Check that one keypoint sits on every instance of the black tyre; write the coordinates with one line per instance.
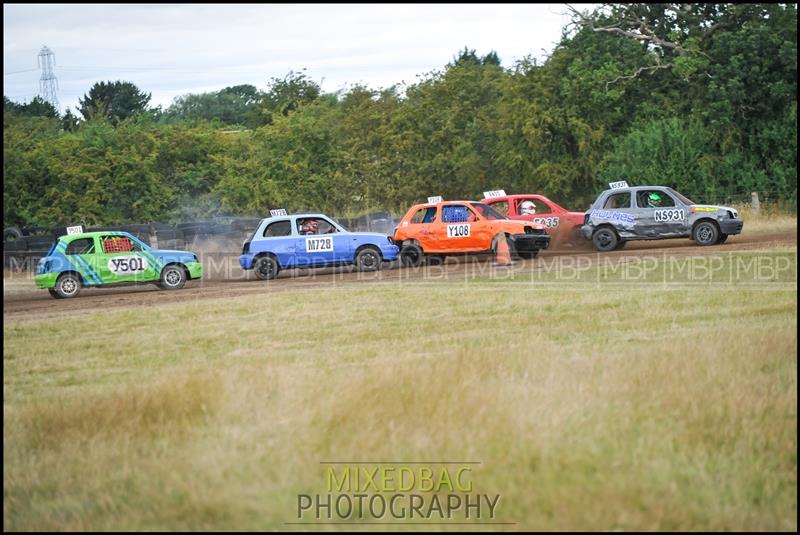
(411, 255)
(53, 293)
(605, 239)
(705, 233)
(12, 233)
(68, 285)
(173, 277)
(368, 259)
(722, 238)
(266, 268)
(620, 245)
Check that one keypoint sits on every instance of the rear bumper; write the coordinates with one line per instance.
(731, 226)
(531, 242)
(246, 261)
(46, 280)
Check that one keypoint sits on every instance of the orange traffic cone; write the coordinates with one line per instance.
(503, 255)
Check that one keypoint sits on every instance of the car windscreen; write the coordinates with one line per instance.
(487, 211)
(683, 198)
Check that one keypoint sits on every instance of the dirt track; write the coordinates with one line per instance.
(227, 279)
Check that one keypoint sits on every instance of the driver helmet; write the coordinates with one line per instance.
(310, 226)
(654, 200)
(527, 208)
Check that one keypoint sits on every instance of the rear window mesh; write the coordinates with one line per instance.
(117, 245)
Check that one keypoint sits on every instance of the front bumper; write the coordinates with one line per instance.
(731, 226)
(531, 242)
(195, 270)
(389, 252)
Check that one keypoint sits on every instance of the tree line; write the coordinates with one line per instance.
(701, 97)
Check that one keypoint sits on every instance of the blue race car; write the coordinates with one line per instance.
(312, 240)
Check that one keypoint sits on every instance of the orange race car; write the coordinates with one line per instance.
(440, 228)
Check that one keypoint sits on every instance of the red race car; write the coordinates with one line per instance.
(560, 224)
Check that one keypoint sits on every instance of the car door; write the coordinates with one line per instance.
(659, 214)
(462, 229)
(422, 227)
(121, 259)
(80, 253)
(320, 242)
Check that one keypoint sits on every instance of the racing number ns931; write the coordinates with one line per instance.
(317, 245)
(664, 216)
(457, 231)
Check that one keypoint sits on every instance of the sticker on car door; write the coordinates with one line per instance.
(458, 231)
(127, 265)
(668, 216)
(319, 245)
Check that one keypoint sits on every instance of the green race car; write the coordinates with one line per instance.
(106, 258)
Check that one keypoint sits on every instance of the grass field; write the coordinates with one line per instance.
(599, 405)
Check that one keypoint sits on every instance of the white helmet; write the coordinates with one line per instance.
(527, 208)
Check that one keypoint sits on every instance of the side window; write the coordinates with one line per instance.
(456, 213)
(618, 200)
(116, 244)
(424, 215)
(277, 229)
(314, 225)
(81, 246)
(654, 199)
(531, 207)
(500, 206)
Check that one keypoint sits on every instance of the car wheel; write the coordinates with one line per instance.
(722, 238)
(68, 285)
(266, 268)
(605, 239)
(368, 259)
(172, 277)
(53, 293)
(620, 245)
(411, 255)
(706, 233)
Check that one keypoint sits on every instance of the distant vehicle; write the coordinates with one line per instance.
(624, 213)
(312, 240)
(111, 258)
(558, 222)
(441, 228)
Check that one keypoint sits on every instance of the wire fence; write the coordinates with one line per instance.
(224, 236)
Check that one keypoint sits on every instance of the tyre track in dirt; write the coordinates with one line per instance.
(235, 282)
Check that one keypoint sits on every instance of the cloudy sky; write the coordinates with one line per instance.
(170, 50)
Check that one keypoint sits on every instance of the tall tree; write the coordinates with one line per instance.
(286, 94)
(115, 101)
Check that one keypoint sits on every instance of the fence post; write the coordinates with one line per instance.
(754, 202)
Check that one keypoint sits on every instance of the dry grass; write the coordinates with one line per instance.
(588, 407)
(770, 218)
